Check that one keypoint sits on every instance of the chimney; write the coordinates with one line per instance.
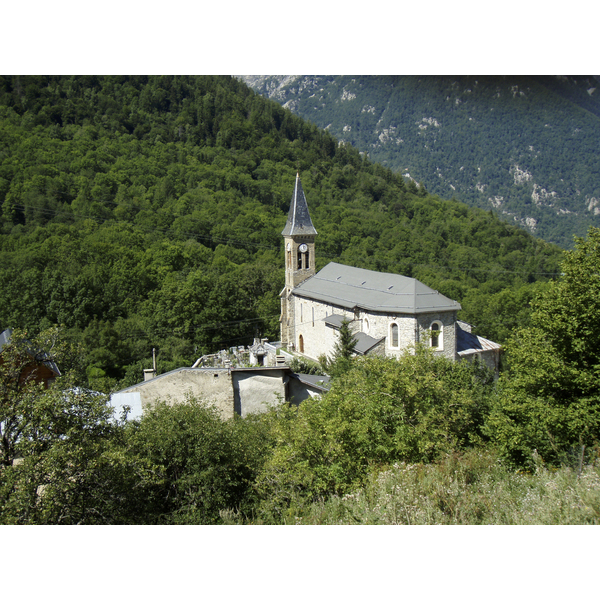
(151, 373)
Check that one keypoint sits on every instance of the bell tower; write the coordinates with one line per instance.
(299, 246)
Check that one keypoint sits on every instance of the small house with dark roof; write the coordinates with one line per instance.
(387, 312)
(38, 367)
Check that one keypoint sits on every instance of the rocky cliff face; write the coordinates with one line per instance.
(524, 147)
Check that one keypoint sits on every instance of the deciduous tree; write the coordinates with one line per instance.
(550, 398)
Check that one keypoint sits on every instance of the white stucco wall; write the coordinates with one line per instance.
(132, 400)
(257, 392)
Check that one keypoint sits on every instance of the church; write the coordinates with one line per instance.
(388, 313)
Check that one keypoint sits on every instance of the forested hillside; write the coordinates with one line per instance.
(525, 147)
(142, 212)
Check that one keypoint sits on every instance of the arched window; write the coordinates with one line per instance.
(306, 260)
(299, 260)
(394, 335)
(366, 325)
(437, 336)
(301, 344)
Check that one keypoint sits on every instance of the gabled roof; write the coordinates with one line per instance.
(298, 221)
(351, 287)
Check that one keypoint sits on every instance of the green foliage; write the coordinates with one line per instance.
(341, 360)
(303, 365)
(500, 313)
(467, 137)
(66, 460)
(382, 410)
(470, 488)
(33, 416)
(550, 399)
(207, 464)
(89, 481)
(59, 463)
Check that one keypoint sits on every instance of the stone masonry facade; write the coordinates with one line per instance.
(313, 337)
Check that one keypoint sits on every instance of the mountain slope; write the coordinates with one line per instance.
(525, 147)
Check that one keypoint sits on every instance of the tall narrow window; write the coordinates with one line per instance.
(306, 261)
(394, 335)
(301, 344)
(437, 335)
(299, 260)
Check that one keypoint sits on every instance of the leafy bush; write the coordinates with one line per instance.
(208, 464)
(303, 365)
(381, 411)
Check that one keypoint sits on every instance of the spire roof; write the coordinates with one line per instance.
(298, 221)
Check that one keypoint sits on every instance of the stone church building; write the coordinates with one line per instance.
(387, 313)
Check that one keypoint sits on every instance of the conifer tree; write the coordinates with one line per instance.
(342, 353)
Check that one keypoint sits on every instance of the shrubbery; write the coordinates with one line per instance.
(381, 411)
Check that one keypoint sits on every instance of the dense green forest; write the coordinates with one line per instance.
(523, 146)
(142, 212)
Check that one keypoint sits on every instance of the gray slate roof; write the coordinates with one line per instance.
(365, 342)
(298, 221)
(469, 343)
(351, 287)
(334, 320)
(318, 381)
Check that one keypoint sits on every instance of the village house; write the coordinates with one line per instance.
(230, 390)
(37, 367)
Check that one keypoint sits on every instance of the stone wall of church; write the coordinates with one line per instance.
(490, 358)
(447, 340)
(378, 325)
(313, 338)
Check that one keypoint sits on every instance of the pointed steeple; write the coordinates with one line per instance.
(298, 221)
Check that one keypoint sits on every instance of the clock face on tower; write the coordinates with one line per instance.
(303, 248)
